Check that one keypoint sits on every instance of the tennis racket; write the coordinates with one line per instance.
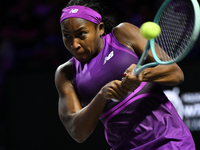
(180, 24)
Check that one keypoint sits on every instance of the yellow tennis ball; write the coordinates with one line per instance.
(150, 30)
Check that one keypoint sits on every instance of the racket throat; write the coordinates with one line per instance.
(138, 69)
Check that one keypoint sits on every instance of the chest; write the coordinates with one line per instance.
(107, 66)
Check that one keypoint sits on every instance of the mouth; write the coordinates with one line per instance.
(82, 56)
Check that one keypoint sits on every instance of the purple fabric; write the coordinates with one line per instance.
(83, 12)
(124, 101)
(146, 119)
(97, 70)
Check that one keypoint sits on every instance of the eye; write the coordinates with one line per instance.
(82, 35)
(67, 36)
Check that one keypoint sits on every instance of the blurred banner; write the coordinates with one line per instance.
(187, 105)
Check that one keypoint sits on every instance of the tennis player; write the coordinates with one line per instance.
(102, 54)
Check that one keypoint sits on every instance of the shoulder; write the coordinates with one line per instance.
(126, 30)
(125, 26)
(126, 33)
(64, 72)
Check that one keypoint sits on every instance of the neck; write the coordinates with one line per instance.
(99, 48)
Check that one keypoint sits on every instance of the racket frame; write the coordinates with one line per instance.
(151, 43)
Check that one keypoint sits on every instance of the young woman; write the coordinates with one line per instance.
(145, 120)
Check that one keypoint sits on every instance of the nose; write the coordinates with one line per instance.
(75, 44)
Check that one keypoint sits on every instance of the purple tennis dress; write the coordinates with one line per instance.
(146, 119)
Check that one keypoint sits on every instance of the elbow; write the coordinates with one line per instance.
(73, 130)
(177, 75)
(78, 139)
(78, 136)
(180, 77)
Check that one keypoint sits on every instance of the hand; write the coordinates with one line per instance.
(130, 81)
(114, 90)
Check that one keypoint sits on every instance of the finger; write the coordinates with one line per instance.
(119, 91)
(113, 94)
(131, 82)
(145, 74)
(113, 90)
(129, 69)
(122, 91)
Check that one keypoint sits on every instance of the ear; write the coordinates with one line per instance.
(101, 28)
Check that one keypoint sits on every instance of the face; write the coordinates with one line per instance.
(81, 38)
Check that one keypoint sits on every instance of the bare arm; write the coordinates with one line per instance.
(130, 36)
(81, 122)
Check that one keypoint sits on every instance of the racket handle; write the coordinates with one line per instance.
(134, 72)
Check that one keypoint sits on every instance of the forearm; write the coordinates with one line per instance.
(82, 123)
(163, 74)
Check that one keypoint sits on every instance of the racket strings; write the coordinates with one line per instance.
(176, 22)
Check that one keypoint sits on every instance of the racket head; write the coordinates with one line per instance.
(180, 25)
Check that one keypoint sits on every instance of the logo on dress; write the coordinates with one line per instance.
(108, 57)
(73, 11)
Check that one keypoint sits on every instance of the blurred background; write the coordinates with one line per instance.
(31, 48)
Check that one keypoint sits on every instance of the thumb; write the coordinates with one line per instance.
(129, 70)
(140, 77)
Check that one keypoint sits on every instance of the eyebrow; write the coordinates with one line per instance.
(78, 30)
